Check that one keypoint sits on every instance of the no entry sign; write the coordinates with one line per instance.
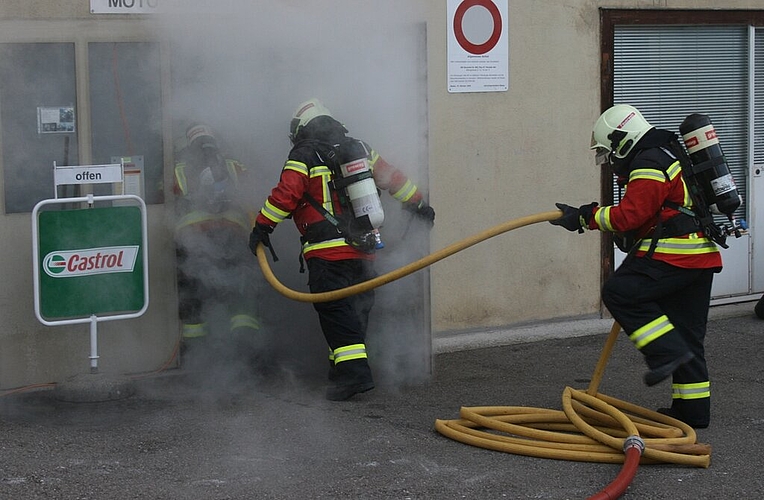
(478, 46)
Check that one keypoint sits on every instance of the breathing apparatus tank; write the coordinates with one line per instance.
(360, 188)
(710, 168)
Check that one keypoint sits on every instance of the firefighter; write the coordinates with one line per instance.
(660, 294)
(338, 251)
(214, 275)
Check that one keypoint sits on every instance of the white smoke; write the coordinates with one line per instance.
(243, 67)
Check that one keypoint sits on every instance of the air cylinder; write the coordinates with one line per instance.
(710, 169)
(363, 194)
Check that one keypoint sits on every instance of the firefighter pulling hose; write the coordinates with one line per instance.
(666, 226)
(667, 439)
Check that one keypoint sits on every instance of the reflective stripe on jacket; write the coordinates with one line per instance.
(305, 172)
(646, 192)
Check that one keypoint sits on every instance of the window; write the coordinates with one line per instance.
(125, 103)
(35, 78)
(670, 63)
(38, 94)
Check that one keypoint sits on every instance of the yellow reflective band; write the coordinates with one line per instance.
(651, 331)
(349, 352)
(194, 330)
(180, 177)
(233, 167)
(673, 170)
(647, 173)
(602, 218)
(687, 199)
(373, 157)
(320, 170)
(337, 242)
(697, 390)
(405, 193)
(297, 166)
(244, 321)
(273, 213)
(694, 245)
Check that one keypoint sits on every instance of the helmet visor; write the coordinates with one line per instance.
(601, 156)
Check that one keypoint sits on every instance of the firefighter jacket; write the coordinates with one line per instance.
(197, 208)
(655, 179)
(307, 172)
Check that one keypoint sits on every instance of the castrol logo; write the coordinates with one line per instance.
(90, 261)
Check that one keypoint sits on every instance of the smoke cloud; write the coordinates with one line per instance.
(243, 68)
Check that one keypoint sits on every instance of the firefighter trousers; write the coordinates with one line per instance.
(664, 311)
(344, 322)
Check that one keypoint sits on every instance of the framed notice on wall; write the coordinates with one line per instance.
(55, 119)
(478, 45)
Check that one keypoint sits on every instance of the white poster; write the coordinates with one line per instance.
(55, 119)
(478, 45)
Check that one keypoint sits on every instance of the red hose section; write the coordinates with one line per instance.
(618, 486)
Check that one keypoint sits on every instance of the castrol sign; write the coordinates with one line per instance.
(90, 262)
(87, 262)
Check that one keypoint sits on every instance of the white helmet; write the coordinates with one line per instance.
(305, 112)
(618, 129)
(201, 134)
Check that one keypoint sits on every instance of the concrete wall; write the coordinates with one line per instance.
(493, 157)
(498, 156)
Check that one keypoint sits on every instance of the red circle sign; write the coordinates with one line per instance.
(459, 32)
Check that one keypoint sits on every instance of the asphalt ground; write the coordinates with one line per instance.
(274, 436)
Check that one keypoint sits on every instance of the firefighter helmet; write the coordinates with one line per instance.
(305, 112)
(618, 129)
(202, 135)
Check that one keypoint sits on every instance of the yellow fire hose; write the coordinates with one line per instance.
(592, 427)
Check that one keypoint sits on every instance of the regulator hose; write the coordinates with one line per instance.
(402, 271)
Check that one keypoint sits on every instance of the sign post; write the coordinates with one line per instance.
(89, 264)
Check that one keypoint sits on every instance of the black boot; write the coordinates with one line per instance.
(348, 379)
(677, 414)
(344, 392)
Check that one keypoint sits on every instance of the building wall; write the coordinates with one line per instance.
(499, 156)
(493, 157)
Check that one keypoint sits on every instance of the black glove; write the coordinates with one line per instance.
(260, 233)
(422, 211)
(574, 219)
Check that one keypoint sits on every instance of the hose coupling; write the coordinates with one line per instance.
(634, 442)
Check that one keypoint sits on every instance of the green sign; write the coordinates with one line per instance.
(91, 262)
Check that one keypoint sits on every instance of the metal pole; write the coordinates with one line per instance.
(93, 344)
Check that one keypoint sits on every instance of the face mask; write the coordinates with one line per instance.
(601, 156)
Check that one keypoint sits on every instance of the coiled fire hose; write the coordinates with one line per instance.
(592, 427)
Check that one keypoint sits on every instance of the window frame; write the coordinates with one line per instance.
(609, 18)
(82, 34)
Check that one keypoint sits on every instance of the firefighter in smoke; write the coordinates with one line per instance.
(216, 293)
(660, 294)
(328, 189)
